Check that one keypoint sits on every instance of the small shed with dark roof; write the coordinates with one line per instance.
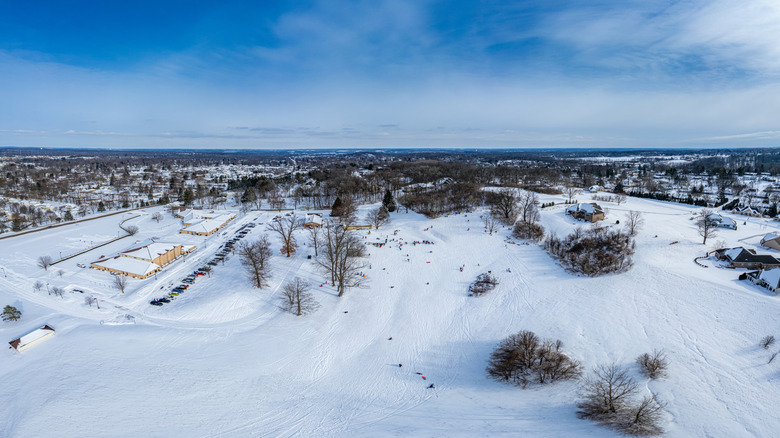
(32, 338)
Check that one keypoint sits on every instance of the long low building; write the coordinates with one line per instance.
(143, 261)
(207, 227)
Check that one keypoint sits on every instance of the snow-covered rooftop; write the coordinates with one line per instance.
(127, 264)
(31, 337)
(733, 253)
(589, 208)
(771, 276)
(313, 219)
(207, 225)
(151, 251)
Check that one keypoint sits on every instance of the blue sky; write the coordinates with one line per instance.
(234, 74)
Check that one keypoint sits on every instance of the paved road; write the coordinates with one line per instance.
(69, 223)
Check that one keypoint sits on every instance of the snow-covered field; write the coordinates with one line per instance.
(223, 360)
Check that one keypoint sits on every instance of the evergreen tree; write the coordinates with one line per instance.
(187, 197)
(389, 201)
(17, 223)
(101, 206)
(68, 215)
(772, 211)
(164, 199)
(11, 313)
(619, 187)
(337, 208)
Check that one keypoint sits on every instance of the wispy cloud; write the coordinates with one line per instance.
(418, 73)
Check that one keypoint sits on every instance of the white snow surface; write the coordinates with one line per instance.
(222, 360)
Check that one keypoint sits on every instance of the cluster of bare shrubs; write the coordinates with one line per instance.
(594, 251)
(524, 358)
(528, 231)
(609, 396)
(484, 283)
(766, 342)
(617, 198)
(653, 365)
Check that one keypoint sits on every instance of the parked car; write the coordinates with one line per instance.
(177, 290)
(81, 265)
(188, 280)
(183, 286)
(163, 300)
(156, 303)
(212, 263)
(200, 273)
(173, 294)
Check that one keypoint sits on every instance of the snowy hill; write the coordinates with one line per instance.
(223, 360)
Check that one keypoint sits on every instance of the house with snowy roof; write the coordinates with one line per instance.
(32, 338)
(747, 211)
(313, 220)
(740, 257)
(722, 222)
(589, 212)
(771, 240)
(767, 278)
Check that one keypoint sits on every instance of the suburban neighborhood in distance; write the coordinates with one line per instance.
(412, 275)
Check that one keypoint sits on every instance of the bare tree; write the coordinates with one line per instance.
(643, 419)
(120, 282)
(341, 258)
(314, 238)
(173, 209)
(131, 229)
(491, 222)
(38, 285)
(503, 204)
(60, 273)
(157, 216)
(378, 217)
(89, 300)
(254, 256)
(634, 222)
(707, 225)
(528, 207)
(570, 191)
(276, 200)
(606, 393)
(619, 198)
(285, 226)
(58, 291)
(767, 341)
(653, 365)
(296, 297)
(44, 262)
